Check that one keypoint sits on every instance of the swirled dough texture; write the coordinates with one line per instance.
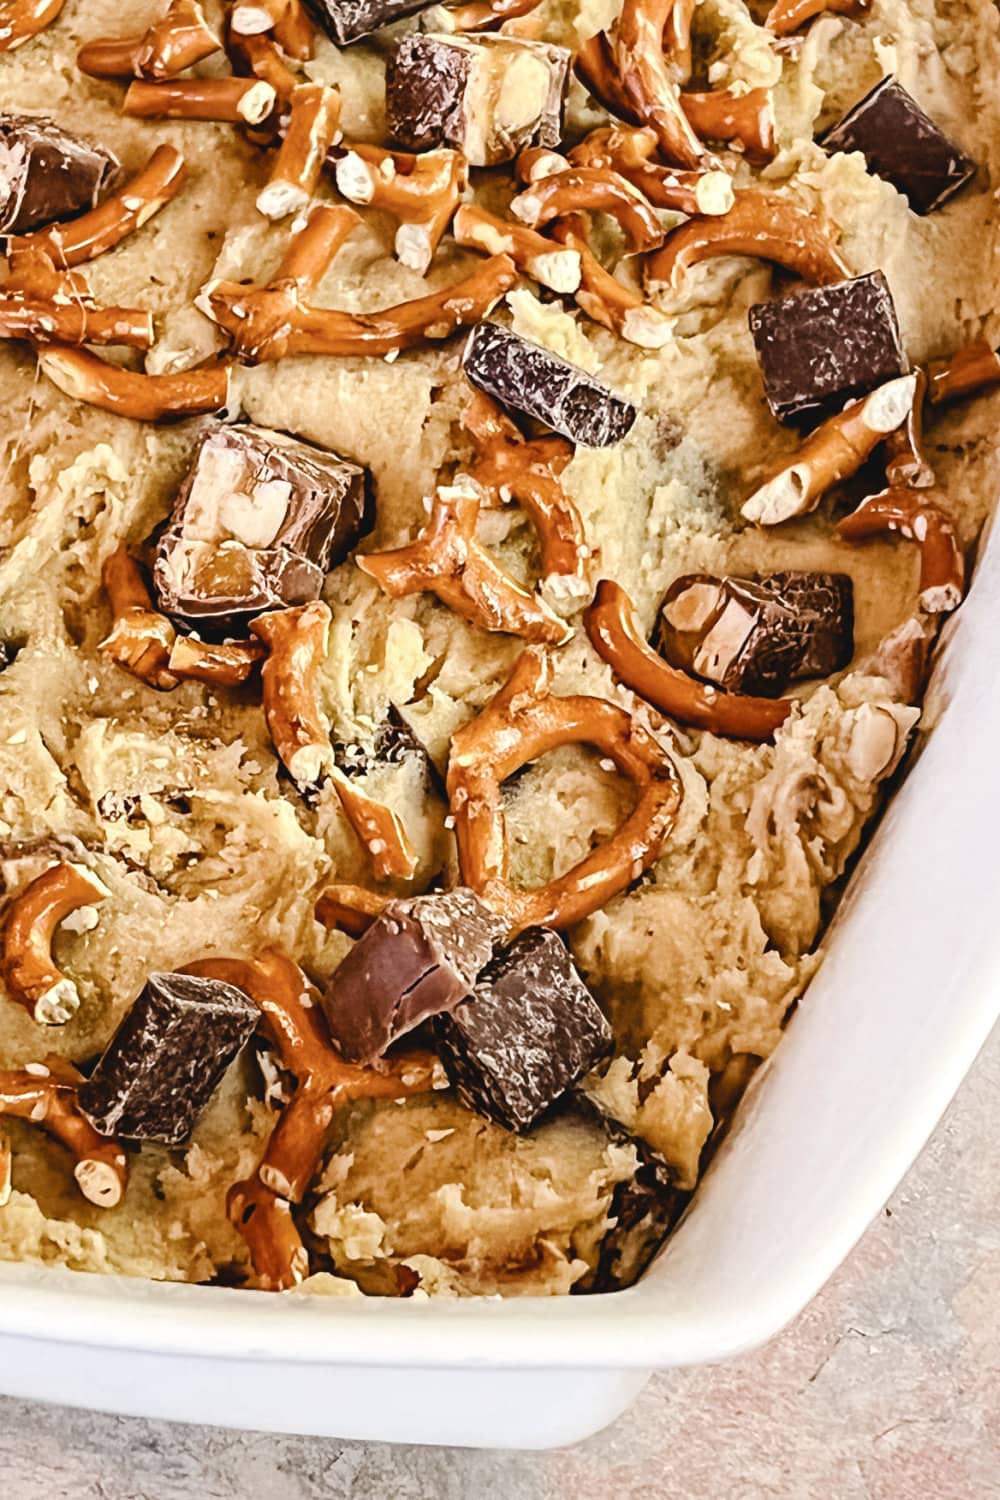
(177, 797)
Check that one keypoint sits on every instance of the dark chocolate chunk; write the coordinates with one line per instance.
(422, 956)
(528, 380)
(819, 347)
(346, 20)
(490, 96)
(902, 144)
(46, 174)
(757, 636)
(528, 1032)
(167, 1058)
(394, 745)
(644, 1209)
(259, 521)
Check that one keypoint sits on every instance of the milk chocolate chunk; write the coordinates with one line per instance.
(490, 96)
(422, 956)
(258, 523)
(819, 347)
(46, 174)
(529, 1030)
(531, 382)
(167, 1058)
(346, 20)
(903, 145)
(757, 636)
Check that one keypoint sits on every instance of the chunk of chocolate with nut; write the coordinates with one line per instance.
(531, 382)
(422, 956)
(490, 96)
(346, 20)
(46, 174)
(903, 145)
(757, 636)
(258, 523)
(167, 1058)
(818, 348)
(528, 1032)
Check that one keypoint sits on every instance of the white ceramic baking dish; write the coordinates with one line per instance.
(906, 997)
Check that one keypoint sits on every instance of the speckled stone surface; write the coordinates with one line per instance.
(886, 1388)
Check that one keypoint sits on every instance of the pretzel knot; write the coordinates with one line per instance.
(520, 724)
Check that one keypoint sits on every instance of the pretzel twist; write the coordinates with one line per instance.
(914, 516)
(532, 253)
(312, 129)
(177, 41)
(145, 398)
(233, 101)
(20, 20)
(421, 191)
(260, 1208)
(521, 723)
(615, 636)
(591, 190)
(628, 151)
(789, 15)
(45, 1094)
(285, 20)
(141, 639)
(445, 559)
(970, 369)
(45, 306)
(758, 224)
(30, 973)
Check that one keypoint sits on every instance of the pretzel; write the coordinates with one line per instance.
(29, 970)
(45, 1094)
(759, 224)
(628, 151)
(421, 191)
(260, 1208)
(509, 467)
(968, 370)
(379, 829)
(738, 120)
(522, 722)
(20, 20)
(6, 1169)
(141, 640)
(177, 41)
(837, 449)
(915, 517)
(43, 305)
(649, 80)
(312, 129)
(537, 162)
(607, 300)
(907, 465)
(217, 665)
(591, 190)
(257, 56)
(533, 254)
(615, 636)
(787, 16)
(286, 20)
(146, 398)
(349, 908)
(488, 15)
(445, 559)
(234, 101)
(122, 213)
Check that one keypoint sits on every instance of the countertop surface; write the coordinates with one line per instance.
(886, 1388)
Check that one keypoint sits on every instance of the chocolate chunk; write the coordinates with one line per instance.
(490, 96)
(346, 20)
(644, 1209)
(167, 1058)
(259, 521)
(902, 144)
(757, 636)
(420, 957)
(528, 380)
(528, 1032)
(819, 347)
(394, 745)
(46, 174)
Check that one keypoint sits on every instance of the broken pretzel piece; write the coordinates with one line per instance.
(629, 151)
(257, 56)
(744, 122)
(446, 560)
(224, 664)
(181, 38)
(914, 516)
(606, 299)
(907, 464)
(349, 908)
(837, 449)
(146, 398)
(29, 970)
(233, 101)
(787, 16)
(534, 255)
(960, 374)
(20, 20)
(758, 224)
(312, 129)
(45, 1094)
(421, 190)
(488, 15)
(521, 723)
(285, 20)
(615, 636)
(141, 639)
(591, 190)
(649, 79)
(45, 306)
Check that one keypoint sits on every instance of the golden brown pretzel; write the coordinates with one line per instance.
(787, 16)
(649, 80)
(177, 41)
(141, 640)
(422, 191)
(314, 115)
(606, 299)
(532, 253)
(285, 20)
(522, 722)
(743, 120)
(914, 516)
(44, 305)
(591, 190)
(629, 151)
(29, 971)
(907, 465)
(349, 908)
(970, 369)
(45, 1094)
(224, 664)
(233, 101)
(20, 20)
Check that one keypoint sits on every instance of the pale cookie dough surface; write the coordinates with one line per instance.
(175, 798)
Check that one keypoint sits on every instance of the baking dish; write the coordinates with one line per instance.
(907, 995)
